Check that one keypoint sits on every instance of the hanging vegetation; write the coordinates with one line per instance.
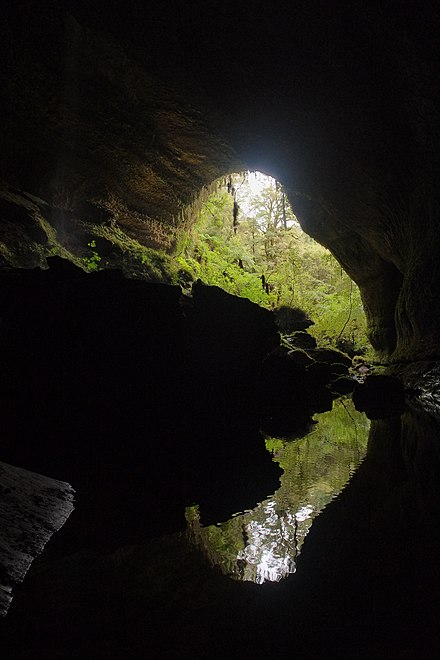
(247, 240)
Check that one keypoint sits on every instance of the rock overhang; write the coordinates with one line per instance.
(123, 116)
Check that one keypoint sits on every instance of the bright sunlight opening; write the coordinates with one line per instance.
(248, 241)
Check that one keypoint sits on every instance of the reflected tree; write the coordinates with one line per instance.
(263, 544)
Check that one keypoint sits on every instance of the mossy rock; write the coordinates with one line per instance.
(330, 356)
(319, 373)
(300, 357)
(339, 369)
(289, 319)
(301, 339)
(343, 385)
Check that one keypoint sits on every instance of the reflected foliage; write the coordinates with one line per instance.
(263, 544)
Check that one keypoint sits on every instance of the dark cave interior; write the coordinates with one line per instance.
(115, 117)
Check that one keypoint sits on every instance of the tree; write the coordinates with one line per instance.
(250, 243)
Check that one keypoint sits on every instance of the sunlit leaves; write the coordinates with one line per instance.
(267, 258)
(263, 544)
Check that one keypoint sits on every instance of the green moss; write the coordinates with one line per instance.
(135, 259)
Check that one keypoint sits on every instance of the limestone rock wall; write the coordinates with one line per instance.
(120, 115)
(95, 137)
(32, 508)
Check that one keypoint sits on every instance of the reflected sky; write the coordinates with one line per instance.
(264, 543)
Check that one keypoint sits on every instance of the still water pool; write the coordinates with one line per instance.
(263, 544)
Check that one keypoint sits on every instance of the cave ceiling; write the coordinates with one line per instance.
(123, 112)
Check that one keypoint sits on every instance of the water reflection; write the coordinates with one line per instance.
(263, 544)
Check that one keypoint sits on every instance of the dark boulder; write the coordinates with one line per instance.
(321, 399)
(319, 395)
(319, 373)
(348, 346)
(228, 333)
(339, 369)
(329, 355)
(283, 395)
(223, 311)
(342, 385)
(291, 393)
(290, 319)
(301, 339)
(300, 357)
(379, 396)
(283, 381)
(63, 269)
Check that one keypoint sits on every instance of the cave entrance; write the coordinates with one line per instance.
(246, 239)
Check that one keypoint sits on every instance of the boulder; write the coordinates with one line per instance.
(379, 396)
(343, 385)
(300, 357)
(301, 339)
(319, 373)
(321, 399)
(284, 396)
(290, 319)
(329, 355)
(228, 333)
(283, 381)
(224, 312)
(339, 369)
(348, 346)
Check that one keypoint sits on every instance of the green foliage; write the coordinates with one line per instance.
(266, 257)
(136, 260)
(262, 255)
(264, 543)
(307, 463)
(92, 263)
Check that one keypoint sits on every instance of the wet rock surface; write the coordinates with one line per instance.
(301, 339)
(330, 356)
(32, 508)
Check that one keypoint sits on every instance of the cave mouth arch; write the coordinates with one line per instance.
(244, 237)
